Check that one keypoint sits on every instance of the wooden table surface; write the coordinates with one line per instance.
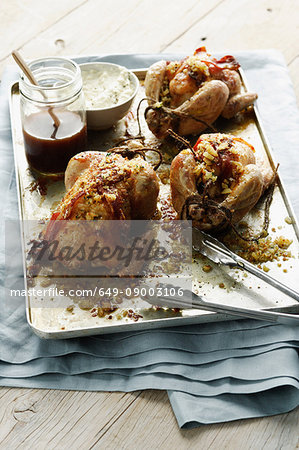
(46, 419)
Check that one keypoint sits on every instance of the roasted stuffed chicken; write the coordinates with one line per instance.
(218, 181)
(102, 187)
(189, 95)
(108, 186)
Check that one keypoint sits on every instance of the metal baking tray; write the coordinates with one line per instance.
(222, 285)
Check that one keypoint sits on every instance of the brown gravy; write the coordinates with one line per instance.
(48, 155)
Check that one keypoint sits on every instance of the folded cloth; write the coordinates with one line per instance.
(214, 372)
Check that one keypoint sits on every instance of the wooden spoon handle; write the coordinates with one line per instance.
(22, 64)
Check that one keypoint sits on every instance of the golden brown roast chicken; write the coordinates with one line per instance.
(102, 187)
(218, 181)
(108, 186)
(189, 95)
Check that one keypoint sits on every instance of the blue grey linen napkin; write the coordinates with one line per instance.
(213, 372)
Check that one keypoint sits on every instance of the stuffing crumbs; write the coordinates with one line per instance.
(288, 220)
(122, 314)
(106, 88)
(265, 250)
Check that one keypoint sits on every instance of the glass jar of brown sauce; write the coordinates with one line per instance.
(53, 115)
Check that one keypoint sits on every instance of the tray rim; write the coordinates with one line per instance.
(151, 323)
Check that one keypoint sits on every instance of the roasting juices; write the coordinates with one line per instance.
(48, 150)
(53, 114)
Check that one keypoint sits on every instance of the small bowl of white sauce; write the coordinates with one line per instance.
(109, 91)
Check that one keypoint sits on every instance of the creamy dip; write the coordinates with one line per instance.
(106, 88)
